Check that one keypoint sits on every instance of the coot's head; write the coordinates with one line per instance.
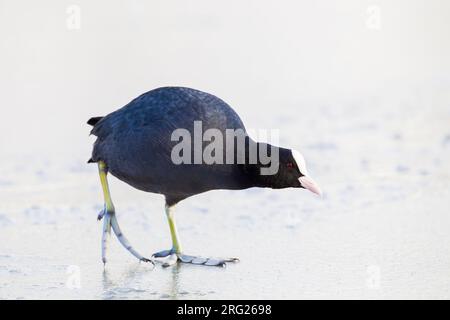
(292, 172)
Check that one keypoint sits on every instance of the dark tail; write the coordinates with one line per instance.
(93, 121)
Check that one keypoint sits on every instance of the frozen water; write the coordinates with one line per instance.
(369, 109)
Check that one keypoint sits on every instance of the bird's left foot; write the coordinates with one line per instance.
(110, 222)
(172, 257)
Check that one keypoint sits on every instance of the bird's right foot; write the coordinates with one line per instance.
(172, 257)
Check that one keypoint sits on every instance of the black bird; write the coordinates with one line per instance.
(148, 144)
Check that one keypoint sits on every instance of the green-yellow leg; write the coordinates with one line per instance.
(107, 211)
(110, 220)
(176, 245)
(175, 254)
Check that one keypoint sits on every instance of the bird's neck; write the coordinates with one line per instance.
(263, 173)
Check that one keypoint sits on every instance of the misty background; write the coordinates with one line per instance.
(361, 88)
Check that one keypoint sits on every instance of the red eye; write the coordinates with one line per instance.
(290, 165)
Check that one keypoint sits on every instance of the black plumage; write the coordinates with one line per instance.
(135, 143)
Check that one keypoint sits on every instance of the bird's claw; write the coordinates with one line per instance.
(163, 254)
(102, 213)
(147, 261)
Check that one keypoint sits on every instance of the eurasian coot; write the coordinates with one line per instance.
(180, 142)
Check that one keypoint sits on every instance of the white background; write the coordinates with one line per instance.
(362, 88)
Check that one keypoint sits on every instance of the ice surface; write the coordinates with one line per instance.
(369, 110)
